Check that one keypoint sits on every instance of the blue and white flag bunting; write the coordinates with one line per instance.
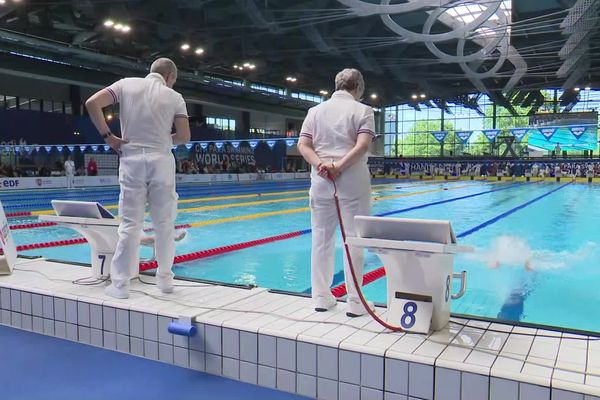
(577, 131)
(37, 148)
(519, 133)
(219, 145)
(235, 144)
(188, 145)
(204, 145)
(48, 149)
(94, 147)
(17, 149)
(27, 149)
(440, 136)
(491, 134)
(59, 148)
(253, 143)
(464, 135)
(82, 148)
(548, 132)
(290, 142)
(71, 148)
(106, 147)
(271, 143)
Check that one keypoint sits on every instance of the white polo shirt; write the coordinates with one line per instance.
(335, 124)
(148, 108)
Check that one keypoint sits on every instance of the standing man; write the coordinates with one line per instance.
(148, 109)
(334, 139)
(69, 171)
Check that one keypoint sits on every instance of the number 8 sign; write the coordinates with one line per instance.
(411, 311)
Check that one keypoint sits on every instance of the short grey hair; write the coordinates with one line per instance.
(349, 79)
(164, 66)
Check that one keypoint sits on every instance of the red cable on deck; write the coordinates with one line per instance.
(340, 290)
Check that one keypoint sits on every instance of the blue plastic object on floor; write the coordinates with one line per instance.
(41, 367)
(177, 328)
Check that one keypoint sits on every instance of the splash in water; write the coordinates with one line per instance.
(515, 251)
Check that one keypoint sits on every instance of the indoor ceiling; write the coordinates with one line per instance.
(404, 48)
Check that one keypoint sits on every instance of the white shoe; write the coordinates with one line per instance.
(323, 303)
(354, 308)
(118, 293)
(165, 285)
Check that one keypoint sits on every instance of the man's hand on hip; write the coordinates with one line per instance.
(115, 143)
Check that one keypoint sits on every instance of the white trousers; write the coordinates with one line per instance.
(145, 176)
(70, 178)
(324, 221)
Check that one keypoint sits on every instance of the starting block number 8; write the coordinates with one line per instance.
(411, 311)
(408, 319)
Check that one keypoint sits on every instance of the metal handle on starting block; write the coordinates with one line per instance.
(463, 284)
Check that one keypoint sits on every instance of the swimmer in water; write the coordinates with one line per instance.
(510, 251)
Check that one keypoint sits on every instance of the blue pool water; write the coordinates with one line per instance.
(550, 227)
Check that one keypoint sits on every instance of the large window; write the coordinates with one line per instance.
(224, 124)
(268, 89)
(315, 98)
(25, 103)
(409, 130)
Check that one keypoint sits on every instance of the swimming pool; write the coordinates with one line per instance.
(548, 227)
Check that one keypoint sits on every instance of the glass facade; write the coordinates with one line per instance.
(25, 103)
(224, 124)
(408, 130)
(307, 96)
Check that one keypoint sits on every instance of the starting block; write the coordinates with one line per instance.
(418, 257)
(97, 225)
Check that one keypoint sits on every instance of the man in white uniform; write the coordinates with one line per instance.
(334, 139)
(69, 172)
(148, 109)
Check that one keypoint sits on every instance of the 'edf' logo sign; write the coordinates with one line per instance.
(9, 183)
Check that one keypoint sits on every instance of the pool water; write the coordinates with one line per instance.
(537, 247)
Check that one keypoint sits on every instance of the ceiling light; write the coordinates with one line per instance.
(126, 28)
(422, 96)
(414, 96)
(588, 88)
(185, 47)
(108, 23)
(119, 27)
(252, 66)
(199, 50)
(576, 89)
(374, 96)
(109, 117)
(291, 79)
(235, 66)
(2, 1)
(246, 65)
(324, 92)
